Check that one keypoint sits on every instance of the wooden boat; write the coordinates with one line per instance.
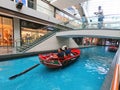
(51, 60)
(112, 48)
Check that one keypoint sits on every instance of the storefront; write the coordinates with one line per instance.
(27, 30)
(6, 31)
(31, 31)
(90, 41)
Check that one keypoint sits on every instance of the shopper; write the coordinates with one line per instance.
(84, 22)
(100, 17)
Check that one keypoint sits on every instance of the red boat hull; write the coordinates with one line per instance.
(112, 48)
(51, 62)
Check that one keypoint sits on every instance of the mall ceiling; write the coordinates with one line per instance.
(61, 4)
(65, 4)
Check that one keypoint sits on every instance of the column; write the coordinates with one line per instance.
(16, 32)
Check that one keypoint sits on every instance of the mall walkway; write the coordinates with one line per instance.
(11, 50)
(7, 50)
(104, 33)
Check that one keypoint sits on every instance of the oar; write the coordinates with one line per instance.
(23, 72)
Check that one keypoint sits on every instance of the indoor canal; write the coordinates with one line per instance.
(87, 73)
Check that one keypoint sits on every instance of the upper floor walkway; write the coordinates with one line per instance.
(98, 33)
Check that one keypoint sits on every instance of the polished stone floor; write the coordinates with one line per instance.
(7, 50)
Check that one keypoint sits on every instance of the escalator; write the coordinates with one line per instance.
(33, 42)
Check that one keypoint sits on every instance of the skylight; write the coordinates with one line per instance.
(109, 7)
(73, 11)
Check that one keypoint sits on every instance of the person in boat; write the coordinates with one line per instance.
(67, 51)
(60, 53)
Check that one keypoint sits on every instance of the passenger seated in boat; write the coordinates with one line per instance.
(53, 56)
(60, 53)
(63, 47)
(67, 51)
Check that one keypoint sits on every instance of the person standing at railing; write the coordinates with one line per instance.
(84, 22)
(100, 17)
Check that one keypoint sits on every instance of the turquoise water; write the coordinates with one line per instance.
(87, 73)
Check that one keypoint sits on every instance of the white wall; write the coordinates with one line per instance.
(10, 5)
(54, 43)
(45, 8)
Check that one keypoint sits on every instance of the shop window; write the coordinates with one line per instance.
(32, 31)
(6, 31)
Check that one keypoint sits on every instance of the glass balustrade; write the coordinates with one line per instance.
(109, 22)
